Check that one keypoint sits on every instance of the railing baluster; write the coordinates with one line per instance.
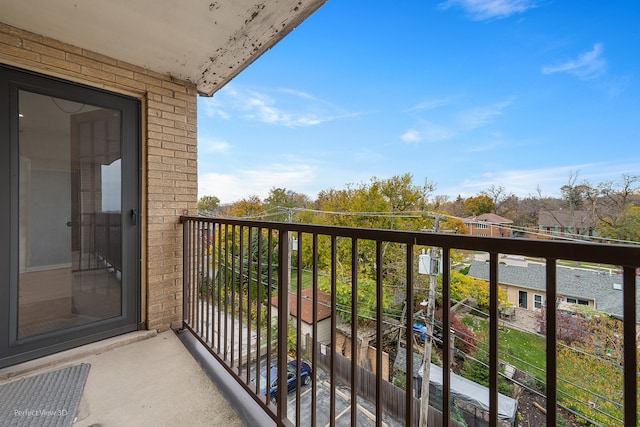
(249, 290)
(379, 330)
(552, 380)
(314, 342)
(410, 416)
(299, 324)
(233, 295)
(630, 346)
(283, 329)
(259, 324)
(334, 315)
(493, 339)
(185, 270)
(269, 312)
(355, 345)
(446, 335)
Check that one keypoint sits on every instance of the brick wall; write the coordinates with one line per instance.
(169, 148)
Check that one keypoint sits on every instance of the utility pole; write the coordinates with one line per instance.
(433, 270)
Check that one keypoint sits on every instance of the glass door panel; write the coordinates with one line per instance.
(70, 245)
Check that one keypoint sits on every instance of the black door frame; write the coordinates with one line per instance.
(12, 350)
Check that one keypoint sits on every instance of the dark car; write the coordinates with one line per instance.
(292, 372)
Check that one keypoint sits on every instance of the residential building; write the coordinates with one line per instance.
(558, 222)
(323, 313)
(525, 286)
(489, 225)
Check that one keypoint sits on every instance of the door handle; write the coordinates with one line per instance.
(134, 217)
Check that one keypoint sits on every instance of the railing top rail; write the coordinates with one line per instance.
(615, 254)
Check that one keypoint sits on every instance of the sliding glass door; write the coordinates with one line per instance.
(70, 235)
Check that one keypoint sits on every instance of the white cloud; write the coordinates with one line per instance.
(430, 104)
(281, 107)
(588, 65)
(436, 133)
(411, 135)
(231, 187)
(481, 10)
(475, 118)
(207, 145)
(463, 122)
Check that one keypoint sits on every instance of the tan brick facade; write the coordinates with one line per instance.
(169, 153)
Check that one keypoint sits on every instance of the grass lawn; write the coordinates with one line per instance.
(525, 351)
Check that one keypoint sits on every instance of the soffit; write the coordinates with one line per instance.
(204, 42)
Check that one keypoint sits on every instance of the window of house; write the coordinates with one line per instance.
(537, 301)
(577, 301)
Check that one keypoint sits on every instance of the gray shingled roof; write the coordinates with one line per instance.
(571, 282)
(579, 219)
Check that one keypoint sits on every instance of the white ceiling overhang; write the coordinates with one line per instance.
(204, 42)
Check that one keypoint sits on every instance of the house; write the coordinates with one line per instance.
(566, 222)
(98, 152)
(489, 225)
(323, 307)
(525, 286)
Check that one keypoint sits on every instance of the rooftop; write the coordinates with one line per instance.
(573, 282)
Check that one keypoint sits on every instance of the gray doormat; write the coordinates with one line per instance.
(48, 400)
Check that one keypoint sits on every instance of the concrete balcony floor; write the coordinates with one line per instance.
(139, 379)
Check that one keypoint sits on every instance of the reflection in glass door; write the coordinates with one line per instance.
(70, 246)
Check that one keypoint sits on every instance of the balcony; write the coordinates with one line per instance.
(239, 274)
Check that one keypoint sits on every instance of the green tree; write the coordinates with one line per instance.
(208, 204)
(280, 204)
(479, 205)
(590, 370)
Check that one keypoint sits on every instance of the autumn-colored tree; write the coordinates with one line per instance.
(463, 286)
(465, 339)
(479, 205)
(250, 207)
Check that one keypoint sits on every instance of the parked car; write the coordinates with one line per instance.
(292, 372)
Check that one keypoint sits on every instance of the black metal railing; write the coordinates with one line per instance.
(238, 275)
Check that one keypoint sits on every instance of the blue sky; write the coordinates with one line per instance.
(464, 93)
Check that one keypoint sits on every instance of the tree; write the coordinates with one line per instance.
(280, 202)
(498, 195)
(208, 204)
(574, 194)
(250, 207)
(590, 370)
(479, 205)
(615, 206)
